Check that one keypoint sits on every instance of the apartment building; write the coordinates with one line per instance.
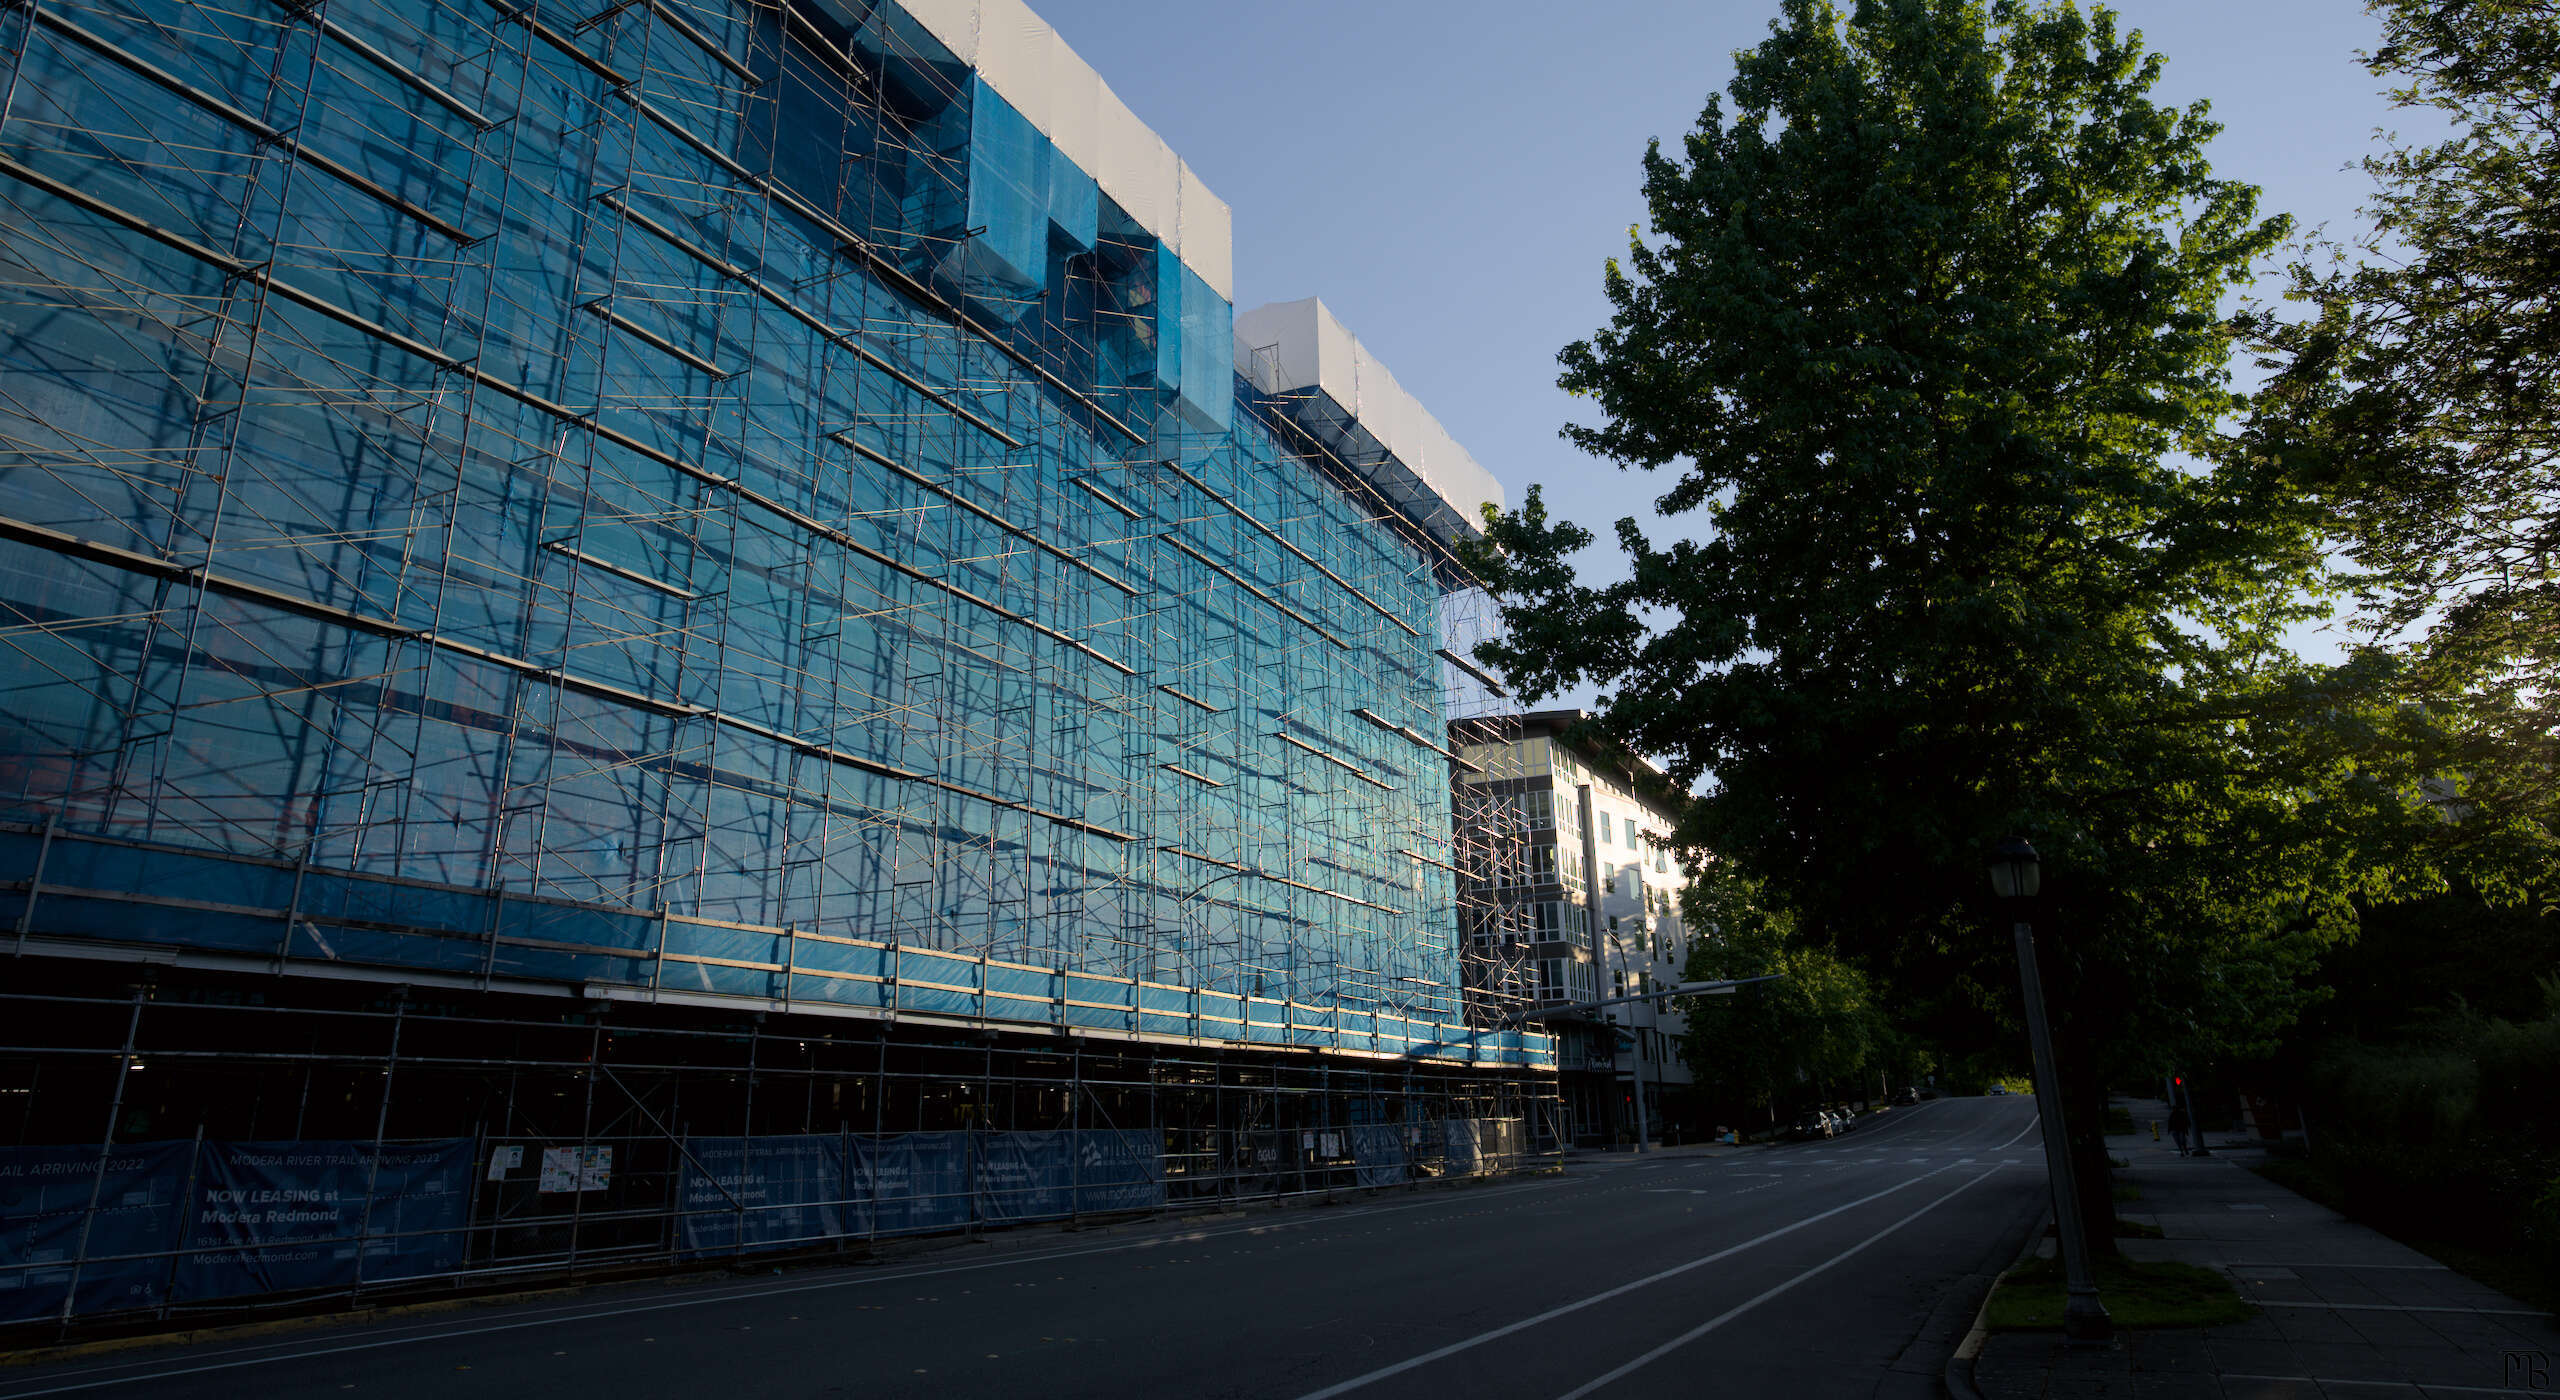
(1583, 908)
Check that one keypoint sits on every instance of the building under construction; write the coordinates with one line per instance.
(641, 629)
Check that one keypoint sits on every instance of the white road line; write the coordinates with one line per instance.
(553, 1317)
(2329, 1264)
(2397, 1307)
(1739, 1309)
(1426, 1358)
(1551, 1314)
(2430, 1387)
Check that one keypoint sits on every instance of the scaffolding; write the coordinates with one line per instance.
(649, 528)
(515, 502)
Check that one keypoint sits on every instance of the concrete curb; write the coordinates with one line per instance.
(1958, 1376)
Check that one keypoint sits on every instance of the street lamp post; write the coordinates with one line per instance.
(1609, 1027)
(2016, 876)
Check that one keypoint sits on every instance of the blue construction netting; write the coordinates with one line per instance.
(176, 1225)
(179, 1223)
(682, 589)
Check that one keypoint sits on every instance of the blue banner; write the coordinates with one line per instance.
(769, 1193)
(44, 1196)
(1118, 1170)
(1464, 1145)
(178, 1222)
(1378, 1150)
(918, 1181)
(275, 1217)
(1025, 1176)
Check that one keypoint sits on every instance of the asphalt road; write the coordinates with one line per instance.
(1846, 1268)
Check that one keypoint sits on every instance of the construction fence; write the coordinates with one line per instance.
(270, 1143)
(164, 1226)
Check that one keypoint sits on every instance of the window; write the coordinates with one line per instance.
(1604, 828)
(1552, 920)
(1661, 862)
(1631, 833)
(1540, 809)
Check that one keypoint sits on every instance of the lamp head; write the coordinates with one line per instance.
(2015, 871)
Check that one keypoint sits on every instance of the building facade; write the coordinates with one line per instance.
(1583, 907)
(711, 525)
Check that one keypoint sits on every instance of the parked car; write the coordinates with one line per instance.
(1997, 1090)
(1904, 1098)
(1847, 1121)
(1811, 1126)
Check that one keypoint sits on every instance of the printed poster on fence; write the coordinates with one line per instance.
(576, 1168)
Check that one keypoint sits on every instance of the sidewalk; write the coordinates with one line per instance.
(2343, 1310)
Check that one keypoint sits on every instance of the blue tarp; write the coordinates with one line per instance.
(919, 1181)
(224, 1220)
(1464, 1139)
(1118, 1170)
(1378, 1149)
(1025, 1176)
(769, 1192)
(45, 1193)
(198, 1222)
(273, 1217)
(801, 1189)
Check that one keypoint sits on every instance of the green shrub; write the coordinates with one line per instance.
(2399, 1095)
(2542, 1225)
(2452, 1135)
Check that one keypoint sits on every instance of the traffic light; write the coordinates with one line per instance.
(2178, 1081)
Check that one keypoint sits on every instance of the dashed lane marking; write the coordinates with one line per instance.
(1496, 1334)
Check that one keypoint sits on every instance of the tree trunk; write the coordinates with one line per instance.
(2087, 1097)
(2082, 1097)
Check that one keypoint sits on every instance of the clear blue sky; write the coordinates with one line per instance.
(1449, 175)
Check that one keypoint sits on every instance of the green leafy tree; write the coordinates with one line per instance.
(2425, 390)
(1927, 334)
(1767, 1049)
